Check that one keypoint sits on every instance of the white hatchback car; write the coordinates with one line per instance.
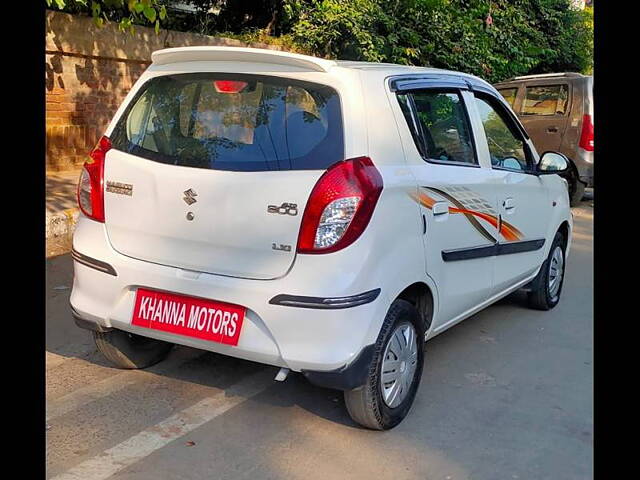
(325, 217)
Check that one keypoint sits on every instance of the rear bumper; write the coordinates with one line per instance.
(326, 344)
(584, 163)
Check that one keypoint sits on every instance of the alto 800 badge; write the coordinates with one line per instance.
(120, 188)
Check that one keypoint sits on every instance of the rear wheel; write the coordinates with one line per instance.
(394, 373)
(127, 350)
(546, 293)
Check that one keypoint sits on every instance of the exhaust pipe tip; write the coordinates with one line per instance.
(282, 375)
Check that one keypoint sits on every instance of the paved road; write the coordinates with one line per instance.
(507, 394)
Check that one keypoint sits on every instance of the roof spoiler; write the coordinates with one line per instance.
(240, 54)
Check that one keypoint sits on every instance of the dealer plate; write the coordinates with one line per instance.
(188, 316)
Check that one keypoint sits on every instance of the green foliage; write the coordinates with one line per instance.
(494, 39)
(126, 13)
(525, 35)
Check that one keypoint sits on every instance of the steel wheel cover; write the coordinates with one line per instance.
(399, 365)
(556, 271)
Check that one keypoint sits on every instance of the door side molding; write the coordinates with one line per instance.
(492, 250)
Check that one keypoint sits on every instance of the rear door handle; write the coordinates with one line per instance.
(552, 130)
(509, 203)
(440, 208)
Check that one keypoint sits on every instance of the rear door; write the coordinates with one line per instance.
(218, 169)
(545, 113)
(456, 197)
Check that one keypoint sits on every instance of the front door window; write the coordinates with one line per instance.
(506, 148)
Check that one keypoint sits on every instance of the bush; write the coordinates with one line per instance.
(524, 36)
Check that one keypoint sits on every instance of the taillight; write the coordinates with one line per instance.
(586, 137)
(340, 206)
(90, 185)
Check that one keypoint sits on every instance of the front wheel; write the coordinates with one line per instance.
(394, 373)
(546, 293)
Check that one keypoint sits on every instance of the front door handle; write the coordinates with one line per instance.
(440, 208)
(509, 204)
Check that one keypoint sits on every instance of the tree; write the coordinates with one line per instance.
(125, 12)
(494, 39)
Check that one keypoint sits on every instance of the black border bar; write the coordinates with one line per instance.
(325, 303)
(492, 250)
(93, 263)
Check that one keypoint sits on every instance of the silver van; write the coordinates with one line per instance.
(556, 109)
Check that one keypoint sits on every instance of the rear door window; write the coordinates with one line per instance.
(233, 122)
(546, 100)
(441, 126)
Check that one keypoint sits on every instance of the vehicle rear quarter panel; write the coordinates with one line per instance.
(389, 255)
(398, 228)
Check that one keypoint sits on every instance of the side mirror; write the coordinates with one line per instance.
(552, 162)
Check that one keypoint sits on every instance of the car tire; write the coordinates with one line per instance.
(130, 351)
(367, 405)
(548, 284)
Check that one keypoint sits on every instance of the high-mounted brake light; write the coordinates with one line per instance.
(90, 185)
(586, 137)
(340, 206)
(229, 86)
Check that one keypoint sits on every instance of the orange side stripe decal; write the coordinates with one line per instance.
(508, 231)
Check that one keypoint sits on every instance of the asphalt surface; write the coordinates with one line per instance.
(506, 394)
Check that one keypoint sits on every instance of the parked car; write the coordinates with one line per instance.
(556, 109)
(325, 217)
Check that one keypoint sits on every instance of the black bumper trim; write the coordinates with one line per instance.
(93, 263)
(87, 324)
(348, 377)
(326, 303)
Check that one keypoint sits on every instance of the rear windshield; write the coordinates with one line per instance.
(233, 122)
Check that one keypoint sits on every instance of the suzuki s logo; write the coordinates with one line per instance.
(189, 196)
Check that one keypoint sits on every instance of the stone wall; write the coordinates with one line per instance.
(89, 70)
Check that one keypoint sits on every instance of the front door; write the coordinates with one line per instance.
(522, 200)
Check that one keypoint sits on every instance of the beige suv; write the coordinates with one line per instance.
(556, 109)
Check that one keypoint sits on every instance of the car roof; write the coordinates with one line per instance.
(542, 76)
(278, 57)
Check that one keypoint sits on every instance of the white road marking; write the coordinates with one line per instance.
(82, 396)
(78, 398)
(141, 445)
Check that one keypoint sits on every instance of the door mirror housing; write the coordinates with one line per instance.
(552, 162)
